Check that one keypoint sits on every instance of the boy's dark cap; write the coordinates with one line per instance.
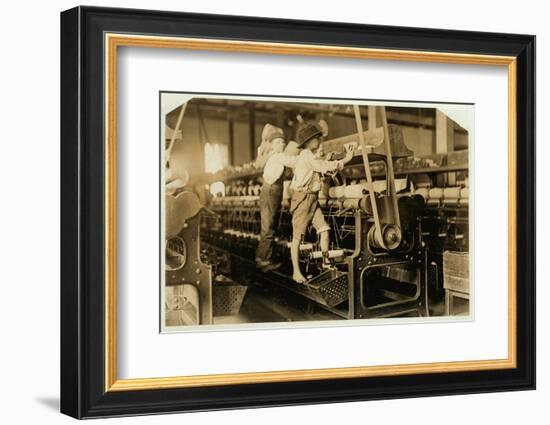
(308, 132)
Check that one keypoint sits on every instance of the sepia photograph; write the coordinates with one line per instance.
(311, 210)
(261, 212)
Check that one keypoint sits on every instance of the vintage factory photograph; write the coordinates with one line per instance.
(290, 210)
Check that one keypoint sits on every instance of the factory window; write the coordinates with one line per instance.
(216, 157)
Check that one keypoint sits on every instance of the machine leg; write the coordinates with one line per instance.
(194, 272)
(448, 301)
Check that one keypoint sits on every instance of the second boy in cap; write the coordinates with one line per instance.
(271, 196)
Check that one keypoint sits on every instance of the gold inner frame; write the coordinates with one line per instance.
(113, 41)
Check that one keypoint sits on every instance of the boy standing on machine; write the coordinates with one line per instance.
(306, 185)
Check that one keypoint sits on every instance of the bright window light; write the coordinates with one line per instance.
(216, 157)
(217, 189)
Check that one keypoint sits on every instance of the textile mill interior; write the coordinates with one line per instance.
(313, 210)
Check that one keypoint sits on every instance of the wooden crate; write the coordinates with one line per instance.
(456, 273)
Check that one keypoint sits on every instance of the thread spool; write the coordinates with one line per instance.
(334, 253)
(422, 192)
(401, 184)
(380, 185)
(451, 201)
(355, 191)
(303, 247)
(464, 196)
(354, 203)
(435, 193)
(336, 192)
(451, 193)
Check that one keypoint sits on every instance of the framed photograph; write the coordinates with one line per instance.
(261, 212)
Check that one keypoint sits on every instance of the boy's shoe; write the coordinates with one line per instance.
(267, 266)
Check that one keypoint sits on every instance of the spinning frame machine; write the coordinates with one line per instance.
(379, 237)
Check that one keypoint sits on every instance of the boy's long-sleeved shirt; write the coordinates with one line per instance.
(276, 164)
(308, 171)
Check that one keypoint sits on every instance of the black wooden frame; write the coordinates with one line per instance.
(82, 211)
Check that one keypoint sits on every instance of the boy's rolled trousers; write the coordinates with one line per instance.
(306, 184)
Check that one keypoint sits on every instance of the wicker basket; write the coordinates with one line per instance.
(227, 298)
(329, 288)
(456, 274)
